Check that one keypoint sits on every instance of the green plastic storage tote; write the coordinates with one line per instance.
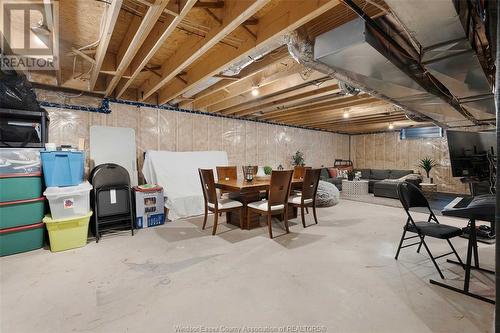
(21, 239)
(21, 212)
(20, 186)
(68, 233)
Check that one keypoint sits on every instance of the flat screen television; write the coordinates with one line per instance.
(469, 153)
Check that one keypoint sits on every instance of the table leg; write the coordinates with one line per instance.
(471, 250)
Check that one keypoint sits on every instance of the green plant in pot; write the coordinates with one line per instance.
(427, 164)
(268, 170)
(350, 175)
(298, 159)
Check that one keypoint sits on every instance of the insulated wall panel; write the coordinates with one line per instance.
(245, 142)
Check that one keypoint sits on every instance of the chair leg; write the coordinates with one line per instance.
(456, 254)
(269, 219)
(420, 245)
(248, 217)
(286, 220)
(242, 216)
(307, 210)
(216, 218)
(314, 213)
(302, 216)
(205, 218)
(432, 257)
(400, 244)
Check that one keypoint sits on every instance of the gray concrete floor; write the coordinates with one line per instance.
(339, 275)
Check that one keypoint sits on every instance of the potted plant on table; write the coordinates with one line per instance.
(350, 175)
(298, 159)
(427, 164)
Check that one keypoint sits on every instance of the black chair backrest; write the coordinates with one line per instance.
(109, 174)
(411, 196)
(208, 185)
(280, 187)
(310, 183)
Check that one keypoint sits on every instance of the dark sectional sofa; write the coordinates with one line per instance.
(377, 180)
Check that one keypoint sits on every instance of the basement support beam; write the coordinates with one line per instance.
(235, 13)
(155, 40)
(109, 25)
(148, 22)
(285, 17)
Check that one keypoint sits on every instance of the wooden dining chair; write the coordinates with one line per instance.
(308, 196)
(299, 171)
(226, 173)
(255, 168)
(213, 203)
(279, 191)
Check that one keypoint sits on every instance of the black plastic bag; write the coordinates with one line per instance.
(16, 92)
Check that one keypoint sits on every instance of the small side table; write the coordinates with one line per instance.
(429, 189)
(354, 188)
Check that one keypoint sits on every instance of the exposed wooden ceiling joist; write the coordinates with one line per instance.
(235, 12)
(109, 24)
(155, 40)
(290, 99)
(148, 22)
(285, 16)
(255, 67)
(265, 77)
(209, 4)
(312, 112)
(292, 82)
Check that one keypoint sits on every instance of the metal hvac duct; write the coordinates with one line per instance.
(354, 50)
(302, 50)
(447, 53)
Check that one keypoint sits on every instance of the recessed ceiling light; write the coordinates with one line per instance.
(255, 91)
(346, 114)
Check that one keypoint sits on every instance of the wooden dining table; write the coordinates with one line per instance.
(247, 192)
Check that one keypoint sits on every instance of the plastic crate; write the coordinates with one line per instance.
(19, 160)
(20, 186)
(70, 201)
(21, 212)
(62, 168)
(21, 239)
(70, 233)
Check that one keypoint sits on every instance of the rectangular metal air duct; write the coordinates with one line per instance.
(446, 52)
(353, 49)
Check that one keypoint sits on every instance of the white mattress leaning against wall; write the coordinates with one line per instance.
(177, 173)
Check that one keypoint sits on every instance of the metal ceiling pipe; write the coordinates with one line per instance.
(302, 50)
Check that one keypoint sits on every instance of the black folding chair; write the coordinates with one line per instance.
(411, 196)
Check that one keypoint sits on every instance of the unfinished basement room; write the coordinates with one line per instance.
(264, 166)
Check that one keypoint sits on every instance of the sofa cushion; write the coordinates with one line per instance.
(324, 174)
(396, 174)
(379, 174)
(365, 173)
(333, 172)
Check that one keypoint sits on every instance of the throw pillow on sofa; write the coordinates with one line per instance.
(333, 172)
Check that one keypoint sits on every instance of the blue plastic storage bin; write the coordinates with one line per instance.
(62, 168)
